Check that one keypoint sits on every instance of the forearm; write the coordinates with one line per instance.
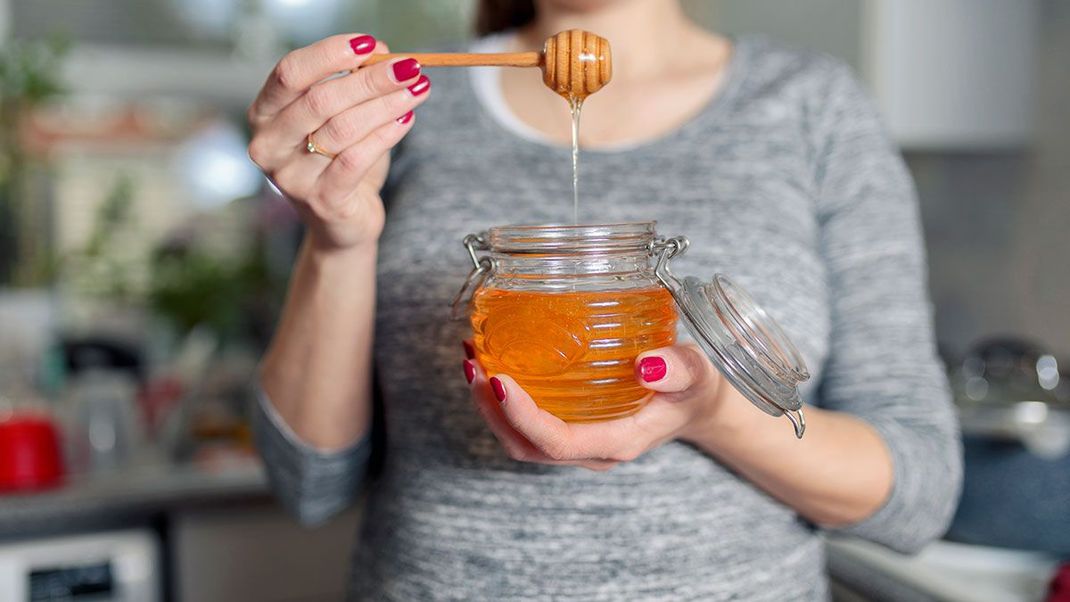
(317, 371)
(839, 473)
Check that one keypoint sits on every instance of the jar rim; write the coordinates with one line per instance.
(569, 239)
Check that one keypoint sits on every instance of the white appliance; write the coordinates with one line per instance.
(115, 566)
(957, 572)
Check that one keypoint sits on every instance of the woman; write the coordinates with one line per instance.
(772, 162)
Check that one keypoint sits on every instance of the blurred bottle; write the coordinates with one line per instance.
(105, 431)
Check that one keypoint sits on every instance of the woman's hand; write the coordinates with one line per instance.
(355, 119)
(839, 474)
(689, 396)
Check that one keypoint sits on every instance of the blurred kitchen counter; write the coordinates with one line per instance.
(944, 571)
(222, 536)
(130, 496)
(219, 506)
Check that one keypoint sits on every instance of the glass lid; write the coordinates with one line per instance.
(742, 340)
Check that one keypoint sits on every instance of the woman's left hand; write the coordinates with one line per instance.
(689, 395)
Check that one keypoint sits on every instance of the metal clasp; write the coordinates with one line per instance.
(799, 422)
(666, 249)
(481, 269)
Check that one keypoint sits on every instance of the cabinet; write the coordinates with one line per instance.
(259, 554)
(947, 74)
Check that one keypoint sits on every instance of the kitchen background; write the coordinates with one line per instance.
(142, 258)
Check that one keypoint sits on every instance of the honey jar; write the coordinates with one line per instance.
(565, 311)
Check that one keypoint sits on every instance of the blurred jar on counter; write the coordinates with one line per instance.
(105, 430)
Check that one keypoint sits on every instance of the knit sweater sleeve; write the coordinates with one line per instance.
(883, 367)
(311, 484)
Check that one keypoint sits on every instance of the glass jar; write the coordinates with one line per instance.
(565, 311)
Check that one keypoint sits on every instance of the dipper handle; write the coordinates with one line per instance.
(574, 63)
(465, 59)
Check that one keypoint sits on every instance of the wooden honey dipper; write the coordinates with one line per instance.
(574, 63)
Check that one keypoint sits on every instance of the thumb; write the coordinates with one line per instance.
(673, 369)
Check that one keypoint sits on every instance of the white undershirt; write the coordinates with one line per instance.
(487, 82)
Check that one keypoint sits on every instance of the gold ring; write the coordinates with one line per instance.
(312, 148)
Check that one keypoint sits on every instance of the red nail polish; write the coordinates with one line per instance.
(407, 117)
(499, 389)
(406, 69)
(422, 85)
(469, 371)
(469, 350)
(362, 44)
(652, 369)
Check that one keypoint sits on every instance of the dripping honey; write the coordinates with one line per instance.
(575, 105)
(573, 352)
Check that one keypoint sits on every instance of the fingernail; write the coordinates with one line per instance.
(407, 117)
(422, 85)
(652, 369)
(469, 350)
(499, 389)
(362, 44)
(406, 69)
(469, 371)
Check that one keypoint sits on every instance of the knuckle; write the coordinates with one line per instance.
(364, 85)
(392, 104)
(257, 151)
(382, 139)
(326, 210)
(627, 454)
(287, 188)
(287, 73)
(334, 208)
(695, 364)
(252, 117)
(517, 454)
(350, 160)
(319, 100)
(341, 129)
(556, 449)
(319, 209)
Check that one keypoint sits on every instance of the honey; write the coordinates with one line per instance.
(575, 105)
(573, 351)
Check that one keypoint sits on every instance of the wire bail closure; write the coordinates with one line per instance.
(481, 269)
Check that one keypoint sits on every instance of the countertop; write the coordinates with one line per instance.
(943, 571)
(121, 498)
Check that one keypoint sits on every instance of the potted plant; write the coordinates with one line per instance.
(29, 77)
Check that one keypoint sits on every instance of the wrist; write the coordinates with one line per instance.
(325, 255)
(335, 271)
(731, 418)
(320, 245)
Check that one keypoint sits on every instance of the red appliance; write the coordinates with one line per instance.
(30, 457)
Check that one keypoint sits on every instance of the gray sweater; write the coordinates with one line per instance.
(787, 183)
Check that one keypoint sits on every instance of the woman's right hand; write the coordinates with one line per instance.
(356, 118)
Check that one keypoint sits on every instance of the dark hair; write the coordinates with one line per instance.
(493, 16)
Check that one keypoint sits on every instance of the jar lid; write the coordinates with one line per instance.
(743, 342)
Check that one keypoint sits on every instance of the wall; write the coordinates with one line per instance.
(830, 26)
(996, 222)
(997, 225)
